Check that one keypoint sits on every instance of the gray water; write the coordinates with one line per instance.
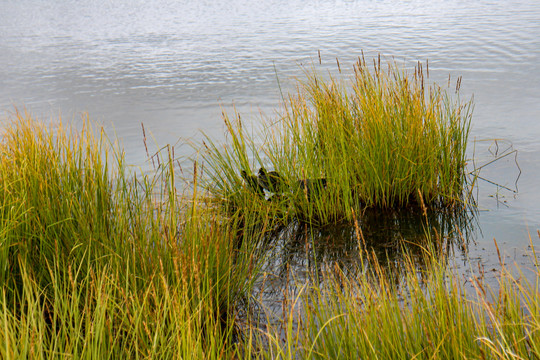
(172, 64)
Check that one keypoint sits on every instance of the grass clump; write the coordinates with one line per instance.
(98, 262)
(384, 139)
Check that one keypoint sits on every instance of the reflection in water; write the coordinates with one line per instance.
(299, 254)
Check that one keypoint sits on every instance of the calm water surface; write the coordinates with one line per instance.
(171, 64)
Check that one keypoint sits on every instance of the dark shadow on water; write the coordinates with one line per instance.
(298, 254)
(386, 233)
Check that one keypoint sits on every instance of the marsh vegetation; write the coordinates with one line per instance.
(99, 261)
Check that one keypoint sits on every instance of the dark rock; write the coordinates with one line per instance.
(271, 181)
(252, 182)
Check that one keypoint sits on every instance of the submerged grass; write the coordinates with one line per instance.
(386, 139)
(416, 313)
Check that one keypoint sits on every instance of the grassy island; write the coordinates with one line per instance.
(384, 138)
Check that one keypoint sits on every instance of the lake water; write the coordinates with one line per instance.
(172, 64)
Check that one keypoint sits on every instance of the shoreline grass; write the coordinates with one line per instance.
(99, 263)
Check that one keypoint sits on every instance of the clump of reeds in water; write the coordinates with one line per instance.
(385, 138)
